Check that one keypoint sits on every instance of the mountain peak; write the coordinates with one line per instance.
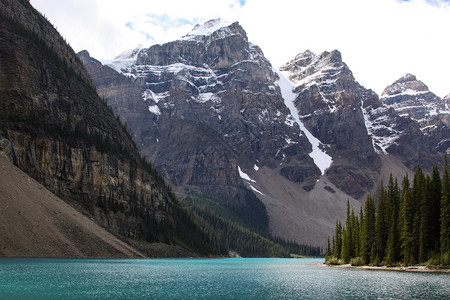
(309, 66)
(407, 77)
(211, 26)
(130, 54)
(405, 85)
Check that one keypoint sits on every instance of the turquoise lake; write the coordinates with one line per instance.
(254, 278)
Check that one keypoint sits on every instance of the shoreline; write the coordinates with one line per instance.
(417, 269)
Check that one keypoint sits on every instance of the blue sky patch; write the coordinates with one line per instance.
(432, 2)
(130, 25)
(167, 22)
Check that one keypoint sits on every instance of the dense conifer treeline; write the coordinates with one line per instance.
(410, 225)
(220, 229)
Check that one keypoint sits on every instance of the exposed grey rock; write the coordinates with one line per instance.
(412, 98)
(330, 103)
(209, 113)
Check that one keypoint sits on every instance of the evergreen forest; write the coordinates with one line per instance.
(410, 225)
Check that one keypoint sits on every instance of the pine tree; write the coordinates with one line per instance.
(333, 243)
(418, 194)
(368, 239)
(425, 241)
(357, 238)
(393, 241)
(361, 231)
(445, 215)
(352, 233)
(408, 228)
(381, 229)
(347, 237)
(435, 201)
(411, 224)
(344, 250)
(338, 239)
(328, 252)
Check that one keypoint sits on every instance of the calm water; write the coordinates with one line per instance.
(208, 279)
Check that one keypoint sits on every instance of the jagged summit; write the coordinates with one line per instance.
(207, 28)
(407, 84)
(214, 115)
(213, 30)
(130, 54)
(307, 67)
(324, 81)
(410, 96)
(446, 100)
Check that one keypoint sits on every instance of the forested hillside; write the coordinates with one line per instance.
(409, 226)
(55, 128)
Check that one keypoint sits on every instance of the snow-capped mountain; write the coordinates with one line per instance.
(412, 98)
(409, 96)
(212, 114)
(329, 102)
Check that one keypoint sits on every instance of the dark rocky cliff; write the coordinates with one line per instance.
(205, 110)
(411, 97)
(213, 115)
(329, 104)
(55, 127)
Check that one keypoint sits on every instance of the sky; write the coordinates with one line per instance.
(380, 40)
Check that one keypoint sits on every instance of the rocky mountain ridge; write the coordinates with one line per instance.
(55, 127)
(215, 115)
(411, 97)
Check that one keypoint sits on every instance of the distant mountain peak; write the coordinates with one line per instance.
(411, 97)
(407, 84)
(130, 54)
(211, 26)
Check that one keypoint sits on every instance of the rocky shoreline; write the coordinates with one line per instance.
(421, 269)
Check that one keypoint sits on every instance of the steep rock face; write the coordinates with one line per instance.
(218, 121)
(56, 128)
(215, 84)
(213, 115)
(329, 103)
(38, 27)
(123, 95)
(411, 97)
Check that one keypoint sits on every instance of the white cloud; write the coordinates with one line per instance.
(380, 40)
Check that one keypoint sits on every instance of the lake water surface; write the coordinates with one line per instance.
(28, 278)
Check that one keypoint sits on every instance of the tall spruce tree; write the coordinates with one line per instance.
(352, 234)
(338, 240)
(418, 195)
(445, 215)
(361, 232)
(393, 241)
(435, 199)
(425, 241)
(328, 252)
(381, 229)
(368, 240)
(408, 212)
(357, 237)
(411, 224)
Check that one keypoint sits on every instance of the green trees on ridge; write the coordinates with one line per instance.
(410, 225)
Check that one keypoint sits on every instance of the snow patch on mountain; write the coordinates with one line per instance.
(154, 109)
(256, 190)
(322, 160)
(120, 64)
(379, 127)
(244, 175)
(207, 28)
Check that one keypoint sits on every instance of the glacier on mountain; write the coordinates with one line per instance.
(320, 157)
